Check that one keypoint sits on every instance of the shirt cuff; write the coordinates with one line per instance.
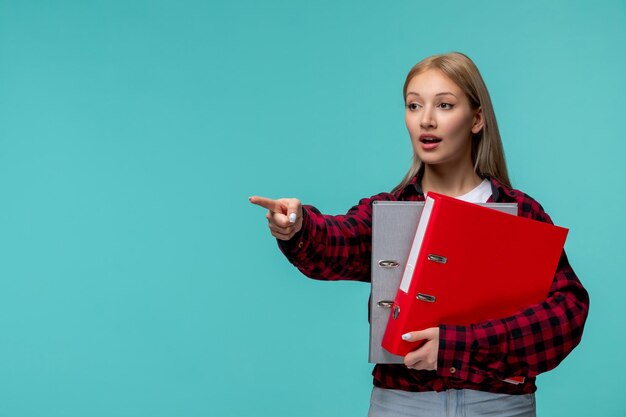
(453, 358)
(295, 249)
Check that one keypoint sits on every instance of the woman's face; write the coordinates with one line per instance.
(440, 120)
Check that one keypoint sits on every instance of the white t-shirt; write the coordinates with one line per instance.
(480, 194)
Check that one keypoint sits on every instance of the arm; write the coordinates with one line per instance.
(333, 247)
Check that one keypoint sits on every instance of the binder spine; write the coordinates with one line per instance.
(408, 291)
(402, 311)
(392, 339)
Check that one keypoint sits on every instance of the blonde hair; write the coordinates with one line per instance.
(487, 150)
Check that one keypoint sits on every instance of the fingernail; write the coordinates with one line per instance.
(292, 218)
(406, 336)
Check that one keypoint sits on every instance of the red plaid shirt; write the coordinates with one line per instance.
(477, 356)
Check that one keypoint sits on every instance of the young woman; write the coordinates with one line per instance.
(457, 151)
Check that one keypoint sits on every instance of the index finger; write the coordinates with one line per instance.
(414, 336)
(268, 203)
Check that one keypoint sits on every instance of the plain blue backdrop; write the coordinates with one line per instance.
(135, 277)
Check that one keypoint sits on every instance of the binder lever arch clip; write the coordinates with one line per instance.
(426, 297)
(387, 263)
(437, 258)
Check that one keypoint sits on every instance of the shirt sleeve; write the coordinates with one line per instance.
(334, 247)
(533, 341)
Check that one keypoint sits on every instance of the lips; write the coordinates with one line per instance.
(427, 139)
(429, 142)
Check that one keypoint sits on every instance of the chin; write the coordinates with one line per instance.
(429, 159)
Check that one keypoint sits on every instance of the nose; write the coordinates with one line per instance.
(427, 120)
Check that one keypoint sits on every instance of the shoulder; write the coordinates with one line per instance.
(364, 207)
(410, 192)
(361, 211)
(526, 205)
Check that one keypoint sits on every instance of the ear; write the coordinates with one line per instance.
(479, 121)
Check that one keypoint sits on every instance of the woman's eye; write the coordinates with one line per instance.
(446, 106)
(412, 106)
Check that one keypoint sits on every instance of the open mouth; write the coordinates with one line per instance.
(429, 140)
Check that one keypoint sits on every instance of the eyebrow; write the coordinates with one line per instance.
(445, 93)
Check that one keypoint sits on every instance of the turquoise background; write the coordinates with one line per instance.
(135, 277)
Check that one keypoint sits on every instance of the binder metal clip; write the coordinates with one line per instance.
(426, 297)
(387, 263)
(437, 258)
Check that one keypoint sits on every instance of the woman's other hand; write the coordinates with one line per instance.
(284, 215)
(424, 358)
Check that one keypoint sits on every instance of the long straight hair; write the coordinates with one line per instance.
(487, 150)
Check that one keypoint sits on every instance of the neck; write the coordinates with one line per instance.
(450, 182)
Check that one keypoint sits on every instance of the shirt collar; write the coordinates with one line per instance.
(499, 191)
(416, 184)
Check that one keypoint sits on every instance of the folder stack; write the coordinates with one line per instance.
(467, 263)
(393, 230)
